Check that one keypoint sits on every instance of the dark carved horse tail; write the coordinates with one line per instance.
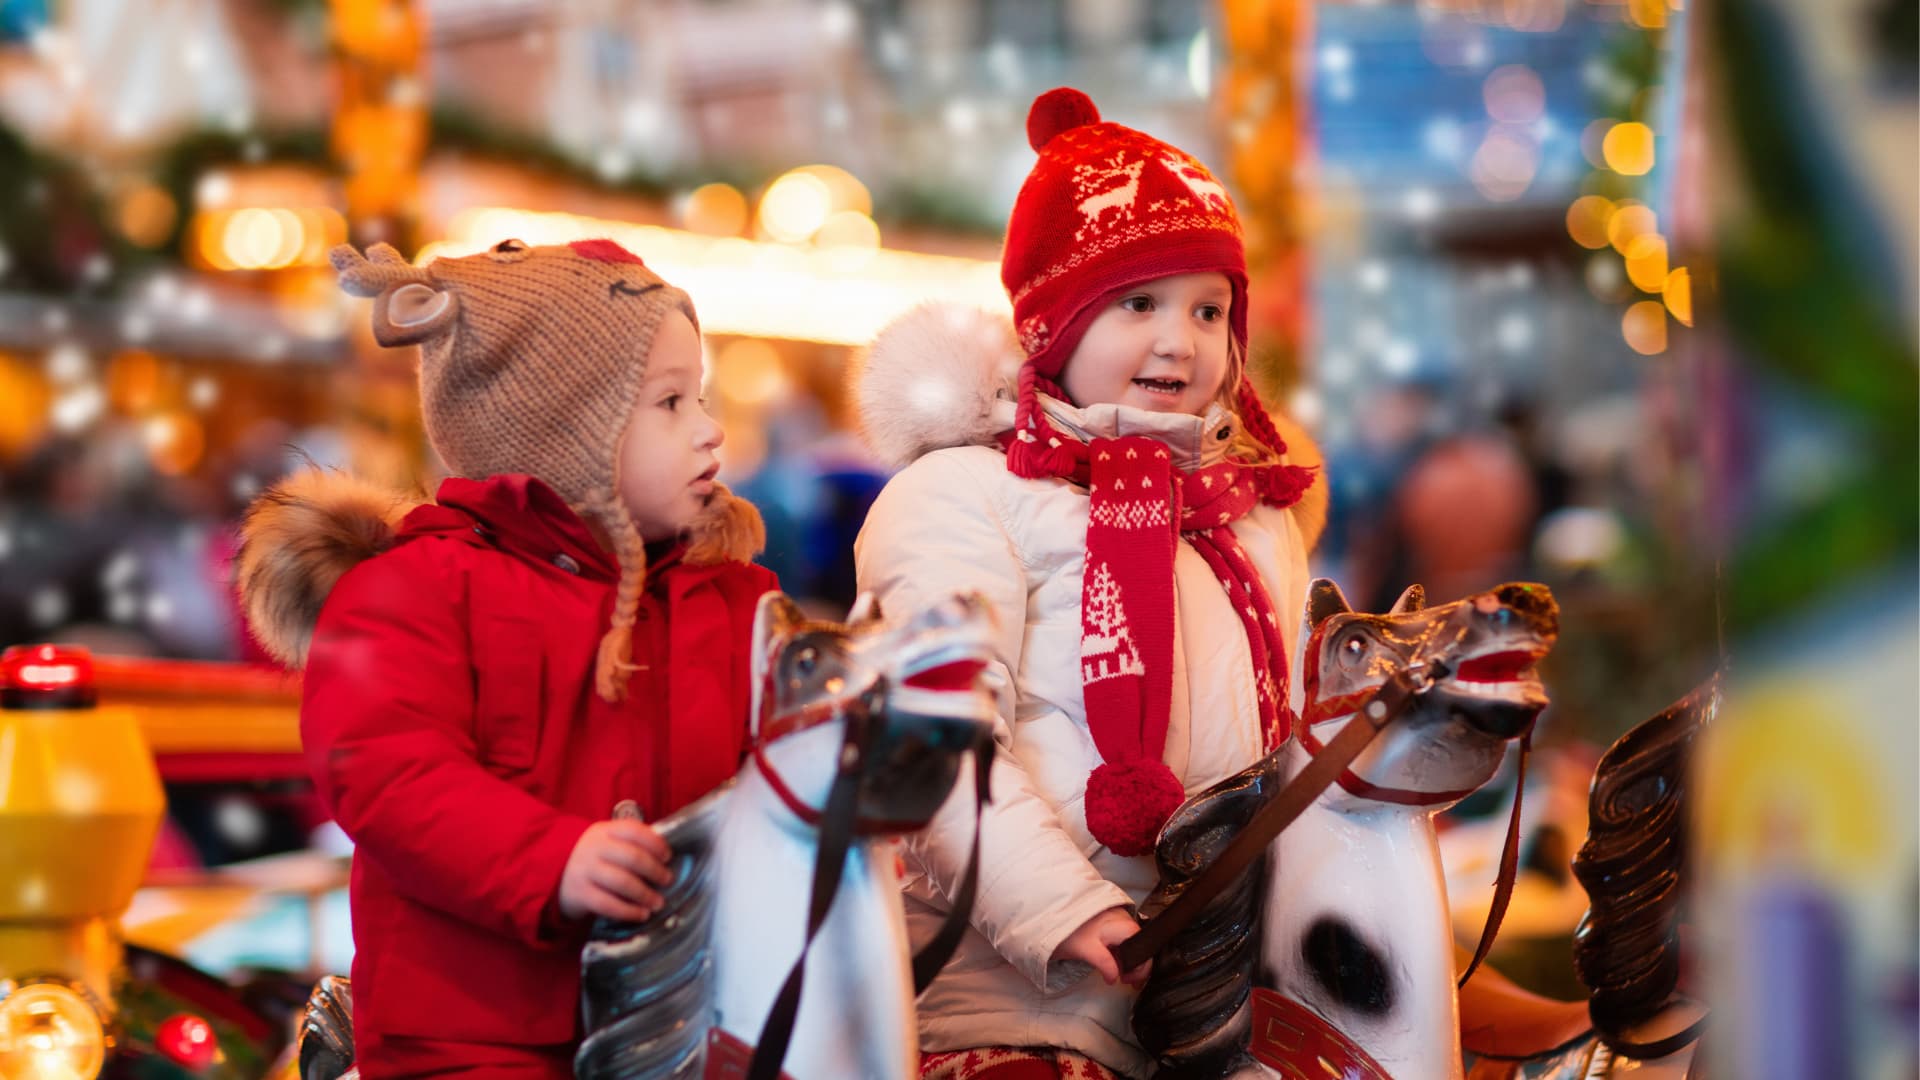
(1626, 949)
(1194, 1015)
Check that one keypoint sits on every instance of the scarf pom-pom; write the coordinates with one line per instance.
(1128, 802)
(1283, 485)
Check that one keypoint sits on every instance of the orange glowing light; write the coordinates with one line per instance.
(175, 443)
(1628, 148)
(716, 210)
(1679, 295)
(146, 215)
(1647, 262)
(1630, 222)
(133, 382)
(1587, 220)
(1645, 327)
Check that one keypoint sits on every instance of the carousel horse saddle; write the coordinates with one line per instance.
(1501, 1019)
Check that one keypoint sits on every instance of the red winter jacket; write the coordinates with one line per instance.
(451, 725)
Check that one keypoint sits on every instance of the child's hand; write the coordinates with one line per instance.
(1093, 944)
(611, 869)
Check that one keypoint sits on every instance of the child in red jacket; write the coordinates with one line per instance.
(564, 627)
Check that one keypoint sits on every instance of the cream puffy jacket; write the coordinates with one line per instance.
(954, 519)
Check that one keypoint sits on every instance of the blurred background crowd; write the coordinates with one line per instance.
(1616, 295)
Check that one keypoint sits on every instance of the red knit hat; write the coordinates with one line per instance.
(1106, 208)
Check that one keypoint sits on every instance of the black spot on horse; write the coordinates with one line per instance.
(1346, 967)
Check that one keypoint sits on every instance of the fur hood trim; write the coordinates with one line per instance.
(941, 375)
(946, 375)
(298, 539)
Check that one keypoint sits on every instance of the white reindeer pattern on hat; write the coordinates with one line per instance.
(1203, 186)
(1094, 205)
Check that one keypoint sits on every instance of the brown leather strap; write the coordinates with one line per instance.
(1393, 698)
(1509, 866)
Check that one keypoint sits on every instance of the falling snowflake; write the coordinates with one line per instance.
(123, 607)
(75, 410)
(48, 607)
(119, 571)
(68, 363)
(240, 822)
(159, 609)
(203, 392)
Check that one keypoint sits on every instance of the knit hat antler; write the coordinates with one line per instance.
(530, 362)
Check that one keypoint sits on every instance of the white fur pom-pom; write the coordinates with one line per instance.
(931, 380)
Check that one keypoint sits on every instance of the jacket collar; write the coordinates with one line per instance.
(1195, 441)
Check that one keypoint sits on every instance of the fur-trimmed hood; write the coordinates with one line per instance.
(305, 533)
(296, 542)
(944, 375)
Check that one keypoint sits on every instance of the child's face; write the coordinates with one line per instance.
(667, 458)
(1161, 346)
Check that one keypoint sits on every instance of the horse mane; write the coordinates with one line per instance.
(647, 988)
(1632, 865)
(1193, 1015)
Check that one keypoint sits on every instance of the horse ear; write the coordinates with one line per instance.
(1411, 600)
(1324, 598)
(866, 608)
(774, 620)
(775, 617)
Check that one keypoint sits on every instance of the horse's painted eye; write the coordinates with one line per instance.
(807, 661)
(1354, 647)
(508, 251)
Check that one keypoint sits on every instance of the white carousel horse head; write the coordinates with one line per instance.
(1344, 926)
(1457, 733)
(1335, 957)
(698, 981)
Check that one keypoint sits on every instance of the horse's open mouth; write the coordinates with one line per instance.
(1510, 665)
(952, 675)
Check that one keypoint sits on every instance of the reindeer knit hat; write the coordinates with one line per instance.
(530, 361)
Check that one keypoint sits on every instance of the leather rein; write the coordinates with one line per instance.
(838, 823)
(1327, 764)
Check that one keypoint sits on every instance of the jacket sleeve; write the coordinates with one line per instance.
(387, 723)
(934, 532)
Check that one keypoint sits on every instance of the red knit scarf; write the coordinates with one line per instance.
(1141, 507)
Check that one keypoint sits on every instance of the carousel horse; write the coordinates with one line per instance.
(780, 948)
(1333, 955)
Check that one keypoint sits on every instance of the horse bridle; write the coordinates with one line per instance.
(838, 822)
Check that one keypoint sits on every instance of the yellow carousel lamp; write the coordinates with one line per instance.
(80, 802)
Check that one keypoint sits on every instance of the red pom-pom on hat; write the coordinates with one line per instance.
(1128, 801)
(1060, 109)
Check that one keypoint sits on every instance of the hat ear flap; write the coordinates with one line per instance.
(410, 313)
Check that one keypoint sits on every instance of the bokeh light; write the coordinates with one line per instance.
(133, 382)
(1514, 95)
(146, 215)
(1647, 14)
(1587, 220)
(1630, 222)
(175, 442)
(1647, 262)
(1628, 148)
(715, 210)
(795, 206)
(1504, 165)
(1645, 327)
(1678, 293)
(749, 372)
